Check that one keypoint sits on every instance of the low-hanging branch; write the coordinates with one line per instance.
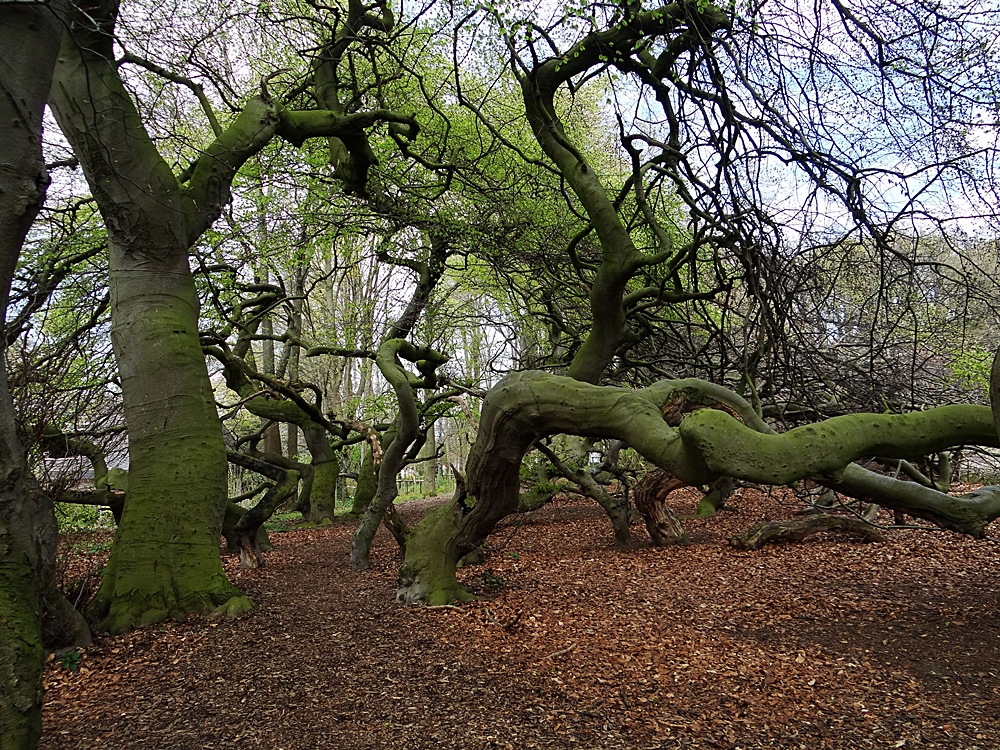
(717, 434)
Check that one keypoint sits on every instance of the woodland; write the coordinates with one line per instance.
(687, 277)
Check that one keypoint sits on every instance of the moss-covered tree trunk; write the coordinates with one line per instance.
(29, 42)
(715, 499)
(326, 465)
(404, 385)
(165, 559)
(364, 490)
(709, 443)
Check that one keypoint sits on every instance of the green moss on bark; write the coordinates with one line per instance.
(730, 448)
(323, 496)
(708, 443)
(21, 652)
(165, 558)
(428, 570)
(716, 496)
(364, 492)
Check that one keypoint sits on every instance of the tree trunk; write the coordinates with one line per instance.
(323, 497)
(430, 465)
(364, 491)
(272, 435)
(408, 428)
(246, 531)
(177, 476)
(29, 40)
(428, 570)
(293, 357)
(326, 470)
(718, 492)
(662, 523)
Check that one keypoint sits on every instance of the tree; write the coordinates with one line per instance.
(677, 247)
(730, 108)
(29, 40)
(177, 477)
(176, 456)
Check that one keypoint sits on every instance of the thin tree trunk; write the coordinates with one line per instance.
(295, 328)
(430, 464)
(367, 482)
(272, 435)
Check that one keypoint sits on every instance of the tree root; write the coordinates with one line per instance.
(232, 609)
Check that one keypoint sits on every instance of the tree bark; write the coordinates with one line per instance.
(800, 528)
(364, 491)
(662, 523)
(246, 530)
(29, 40)
(714, 500)
(428, 486)
(408, 427)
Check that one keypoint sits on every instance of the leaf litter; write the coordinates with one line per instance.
(827, 643)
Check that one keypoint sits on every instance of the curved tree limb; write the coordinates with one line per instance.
(708, 443)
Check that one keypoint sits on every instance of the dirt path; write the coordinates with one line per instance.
(825, 644)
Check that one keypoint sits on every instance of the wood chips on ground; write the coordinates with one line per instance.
(827, 643)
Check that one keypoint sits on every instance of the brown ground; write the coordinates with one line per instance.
(822, 644)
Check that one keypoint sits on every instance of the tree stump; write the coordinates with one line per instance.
(662, 523)
(797, 530)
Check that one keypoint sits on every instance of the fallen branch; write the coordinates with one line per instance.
(797, 530)
(566, 650)
(509, 627)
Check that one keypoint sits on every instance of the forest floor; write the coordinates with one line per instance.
(827, 643)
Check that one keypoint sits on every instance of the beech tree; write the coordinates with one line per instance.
(29, 42)
(736, 93)
(672, 227)
(177, 477)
